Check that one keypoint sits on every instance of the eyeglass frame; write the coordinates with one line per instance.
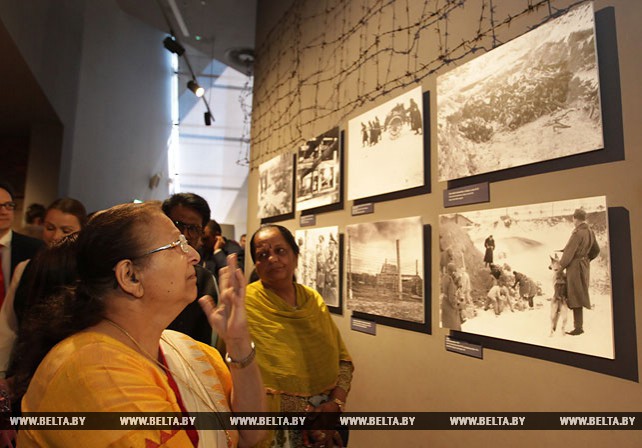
(182, 242)
(192, 229)
(11, 205)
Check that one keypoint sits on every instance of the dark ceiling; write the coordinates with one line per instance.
(22, 101)
(215, 28)
(222, 25)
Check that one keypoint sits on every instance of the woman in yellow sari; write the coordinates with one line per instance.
(136, 273)
(304, 363)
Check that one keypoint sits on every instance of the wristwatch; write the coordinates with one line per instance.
(339, 403)
(243, 362)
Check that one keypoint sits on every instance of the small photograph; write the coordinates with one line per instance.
(532, 99)
(319, 262)
(317, 171)
(276, 177)
(385, 269)
(386, 147)
(538, 274)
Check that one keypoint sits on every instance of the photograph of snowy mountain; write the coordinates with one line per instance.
(532, 99)
(318, 265)
(385, 268)
(386, 148)
(317, 171)
(498, 274)
(276, 177)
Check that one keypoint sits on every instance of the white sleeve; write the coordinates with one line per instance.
(8, 320)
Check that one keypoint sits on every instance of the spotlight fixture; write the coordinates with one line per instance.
(194, 87)
(208, 118)
(173, 46)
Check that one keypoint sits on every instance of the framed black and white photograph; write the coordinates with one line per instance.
(385, 269)
(318, 171)
(386, 147)
(532, 99)
(538, 274)
(276, 179)
(320, 261)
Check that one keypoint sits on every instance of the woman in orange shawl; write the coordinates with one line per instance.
(112, 352)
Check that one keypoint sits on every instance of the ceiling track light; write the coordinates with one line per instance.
(194, 87)
(173, 46)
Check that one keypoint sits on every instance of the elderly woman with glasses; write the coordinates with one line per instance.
(113, 354)
(304, 362)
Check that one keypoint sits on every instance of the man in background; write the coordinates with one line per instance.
(34, 220)
(14, 247)
(216, 248)
(190, 212)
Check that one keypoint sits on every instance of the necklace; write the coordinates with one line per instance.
(166, 369)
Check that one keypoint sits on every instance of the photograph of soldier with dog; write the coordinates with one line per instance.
(386, 147)
(549, 283)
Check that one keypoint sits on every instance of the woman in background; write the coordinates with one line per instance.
(51, 272)
(304, 363)
(63, 217)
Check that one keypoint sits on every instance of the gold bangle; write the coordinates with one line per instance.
(243, 362)
(339, 403)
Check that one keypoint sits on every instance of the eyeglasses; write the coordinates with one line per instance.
(192, 229)
(182, 242)
(264, 255)
(9, 205)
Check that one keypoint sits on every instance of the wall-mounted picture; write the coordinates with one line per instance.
(319, 262)
(276, 177)
(318, 171)
(386, 148)
(538, 274)
(384, 269)
(532, 99)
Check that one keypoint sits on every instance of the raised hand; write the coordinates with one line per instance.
(229, 317)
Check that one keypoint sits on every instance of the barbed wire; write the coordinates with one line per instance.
(245, 102)
(323, 61)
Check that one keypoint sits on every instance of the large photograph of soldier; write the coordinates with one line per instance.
(384, 268)
(532, 99)
(538, 274)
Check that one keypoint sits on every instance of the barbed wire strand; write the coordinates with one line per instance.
(296, 62)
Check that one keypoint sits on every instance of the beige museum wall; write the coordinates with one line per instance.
(399, 370)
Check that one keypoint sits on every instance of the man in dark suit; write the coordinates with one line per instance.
(14, 247)
(216, 248)
(190, 213)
